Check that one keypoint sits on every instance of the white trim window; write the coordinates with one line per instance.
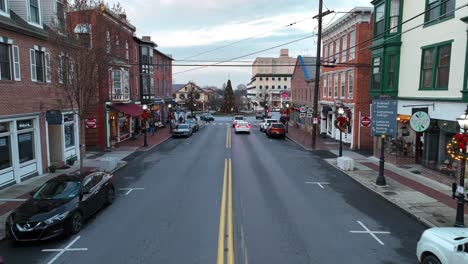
(325, 88)
(338, 50)
(117, 81)
(60, 15)
(4, 8)
(335, 85)
(329, 79)
(127, 54)
(352, 44)
(120, 84)
(350, 84)
(65, 70)
(108, 42)
(40, 65)
(344, 51)
(34, 12)
(16, 63)
(342, 81)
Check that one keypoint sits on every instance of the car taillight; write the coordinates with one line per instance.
(248, 126)
(237, 126)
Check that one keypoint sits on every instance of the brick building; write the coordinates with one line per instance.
(346, 82)
(302, 87)
(37, 129)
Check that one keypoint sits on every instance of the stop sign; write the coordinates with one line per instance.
(91, 123)
(365, 121)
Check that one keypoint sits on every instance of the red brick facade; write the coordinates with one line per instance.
(301, 89)
(349, 75)
(162, 75)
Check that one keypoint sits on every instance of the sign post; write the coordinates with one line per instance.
(384, 123)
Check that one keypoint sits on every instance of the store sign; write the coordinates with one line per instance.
(384, 116)
(69, 118)
(284, 94)
(54, 117)
(302, 115)
(420, 121)
(303, 109)
(24, 124)
(90, 123)
(24, 137)
(309, 114)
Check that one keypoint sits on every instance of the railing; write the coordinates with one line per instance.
(119, 97)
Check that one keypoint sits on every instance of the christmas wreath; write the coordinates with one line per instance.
(342, 123)
(457, 148)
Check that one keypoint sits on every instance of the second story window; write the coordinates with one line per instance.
(352, 45)
(394, 15)
(34, 12)
(60, 11)
(439, 9)
(127, 54)
(435, 67)
(5, 65)
(40, 66)
(379, 27)
(4, 7)
(120, 82)
(108, 40)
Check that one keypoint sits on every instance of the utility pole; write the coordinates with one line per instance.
(317, 75)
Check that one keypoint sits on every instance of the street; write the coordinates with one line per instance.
(285, 205)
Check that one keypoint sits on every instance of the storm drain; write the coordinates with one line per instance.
(390, 193)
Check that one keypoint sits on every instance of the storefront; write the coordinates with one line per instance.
(20, 149)
(63, 136)
(124, 121)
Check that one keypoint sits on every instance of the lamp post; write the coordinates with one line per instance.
(381, 179)
(341, 113)
(463, 122)
(145, 142)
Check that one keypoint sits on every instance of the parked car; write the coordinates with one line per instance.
(193, 125)
(443, 245)
(259, 115)
(60, 206)
(266, 122)
(276, 130)
(237, 119)
(207, 117)
(242, 127)
(182, 130)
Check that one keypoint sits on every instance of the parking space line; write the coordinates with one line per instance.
(319, 184)
(62, 250)
(129, 190)
(372, 233)
(12, 200)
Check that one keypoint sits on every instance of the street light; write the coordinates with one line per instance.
(463, 122)
(341, 113)
(145, 142)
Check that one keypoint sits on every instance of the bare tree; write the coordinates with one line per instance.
(81, 59)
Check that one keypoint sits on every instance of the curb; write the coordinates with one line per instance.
(297, 143)
(396, 205)
(143, 149)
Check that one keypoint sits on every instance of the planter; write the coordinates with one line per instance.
(70, 162)
(52, 168)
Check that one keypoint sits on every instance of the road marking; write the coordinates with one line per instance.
(220, 259)
(319, 184)
(129, 178)
(228, 137)
(230, 231)
(129, 190)
(372, 233)
(12, 200)
(62, 250)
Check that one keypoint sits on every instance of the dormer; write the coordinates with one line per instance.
(29, 10)
(4, 8)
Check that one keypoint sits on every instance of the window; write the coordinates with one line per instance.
(266, 87)
(338, 50)
(342, 91)
(379, 27)
(325, 91)
(117, 81)
(329, 86)
(376, 73)
(266, 78)
(5, 146)
(391, 71)
(40, 66)
(285, 87)
(60, 11)
(272, 87)
(285, 78)
(261, 79)
(16, 64)
(5, 68)
(437, 10)
(127, 54)
(34, 13)
(394, 15)
(352, 44)
(4, 10)
(261, 87)
(272, 78)
(69, 135)
(335, 85)
(435, 67)
(25, 140)
(350, 84)
(325, 51)
(345, 47)
(332, 52)
(108, 40)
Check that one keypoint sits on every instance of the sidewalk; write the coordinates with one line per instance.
(423, 193)
(12, 196)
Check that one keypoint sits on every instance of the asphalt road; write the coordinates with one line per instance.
(279, 213)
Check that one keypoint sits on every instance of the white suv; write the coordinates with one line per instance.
(443, 245)
(266, 122)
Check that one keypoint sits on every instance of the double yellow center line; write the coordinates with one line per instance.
(228, 137)
(222, 219)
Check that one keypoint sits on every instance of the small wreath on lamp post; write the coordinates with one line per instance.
(457, 148)
(342, 123)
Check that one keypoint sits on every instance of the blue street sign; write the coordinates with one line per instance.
(384, 117)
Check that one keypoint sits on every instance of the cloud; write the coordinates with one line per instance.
(209, 4)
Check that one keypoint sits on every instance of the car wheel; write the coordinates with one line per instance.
(75, 222)
(110, 195)
(430, 259)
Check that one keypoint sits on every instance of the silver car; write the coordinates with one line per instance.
(182, 130)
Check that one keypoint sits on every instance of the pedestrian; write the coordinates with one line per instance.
(152, 127)
(181, 119)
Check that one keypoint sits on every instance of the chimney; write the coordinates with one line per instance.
(284, 53)
(146, 38)
(123, 17)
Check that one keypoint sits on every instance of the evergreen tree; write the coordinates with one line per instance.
(229, 101)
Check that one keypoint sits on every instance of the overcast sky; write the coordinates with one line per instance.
(184, 28)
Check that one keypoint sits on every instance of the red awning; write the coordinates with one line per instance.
(131, 109)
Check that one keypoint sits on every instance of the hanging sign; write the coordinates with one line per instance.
(420, 121)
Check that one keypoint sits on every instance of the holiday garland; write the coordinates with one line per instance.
(457, 148)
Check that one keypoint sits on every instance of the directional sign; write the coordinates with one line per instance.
(91, 123)
(365, 121)
(384, 117)
(302, 115)
(303, 109)
(309, 114)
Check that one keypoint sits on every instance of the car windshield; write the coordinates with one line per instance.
(271, 121)
(242, 123)
(277, 126)
(57, 190)
(238, 118)
(182, 127)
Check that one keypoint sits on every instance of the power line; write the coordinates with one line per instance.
(248, 38)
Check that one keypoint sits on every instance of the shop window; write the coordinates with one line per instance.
(69, 135)
(26, 147)
(5, 154)
(124, 127)
(435, 68)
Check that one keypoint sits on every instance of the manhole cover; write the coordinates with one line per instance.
(390, 193)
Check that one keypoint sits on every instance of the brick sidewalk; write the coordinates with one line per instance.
(159, 136)
(303, 138)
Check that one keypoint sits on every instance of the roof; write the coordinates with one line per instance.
(149, 43)
(308, 67)
(17, 24)
(177, 87)
(165, 55)
(348, 16)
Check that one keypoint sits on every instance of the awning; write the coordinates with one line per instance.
(131, 109)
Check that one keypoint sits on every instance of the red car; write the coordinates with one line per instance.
(276, 130)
